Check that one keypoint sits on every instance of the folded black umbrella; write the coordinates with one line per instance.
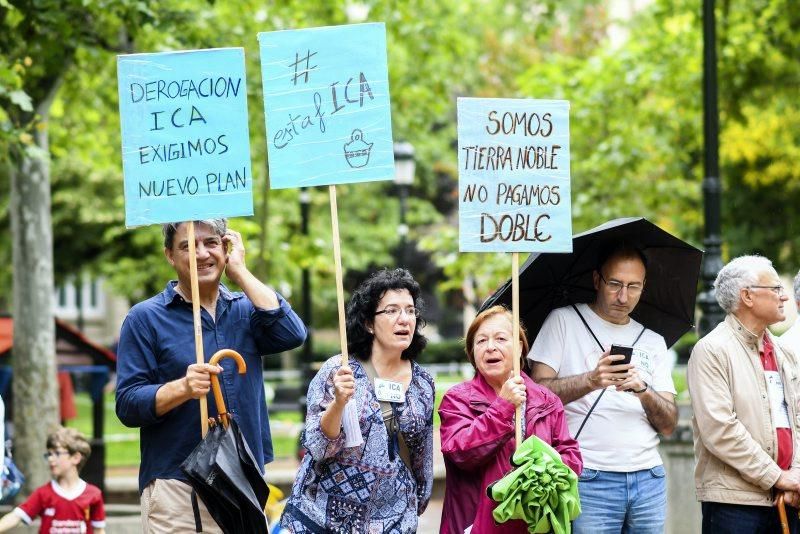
(550, 280)
(223, 472)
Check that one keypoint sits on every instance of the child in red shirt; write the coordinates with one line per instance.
(66, 504)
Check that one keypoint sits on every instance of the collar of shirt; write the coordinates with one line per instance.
(766, 349)
(172, 297)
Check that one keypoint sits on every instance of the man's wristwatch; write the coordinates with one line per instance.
(645, 388)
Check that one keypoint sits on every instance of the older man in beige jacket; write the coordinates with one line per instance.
(744, 390)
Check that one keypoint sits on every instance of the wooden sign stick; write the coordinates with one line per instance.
(520, 412)
(350, 423)
(198, 325)
(337, 260)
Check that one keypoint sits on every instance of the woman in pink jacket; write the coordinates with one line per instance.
(478, 426)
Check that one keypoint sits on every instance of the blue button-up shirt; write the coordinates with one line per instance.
(156, 346)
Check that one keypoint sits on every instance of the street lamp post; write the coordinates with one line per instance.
(712, 314)
(308, 352)
(404, 167)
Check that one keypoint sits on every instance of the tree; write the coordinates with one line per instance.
(636, 128)
(760, 143)
(44, 37)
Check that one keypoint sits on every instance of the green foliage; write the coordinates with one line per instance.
(635, 138)
(445, 351)
(760, 145)
(636, 112)
(425, 75)
(55, 60)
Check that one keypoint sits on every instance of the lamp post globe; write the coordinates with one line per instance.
(404, 168)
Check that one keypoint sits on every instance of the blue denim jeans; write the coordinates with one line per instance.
(722, 518)
(614, 502)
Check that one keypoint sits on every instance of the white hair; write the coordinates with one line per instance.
(736, 275)
(796, 287)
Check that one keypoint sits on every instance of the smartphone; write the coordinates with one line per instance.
(625, 351)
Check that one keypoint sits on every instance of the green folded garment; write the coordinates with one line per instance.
(542, 490)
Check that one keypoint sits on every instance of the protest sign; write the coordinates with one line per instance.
(326, 102)
(185, 139)
(514, 186)
(514, 175)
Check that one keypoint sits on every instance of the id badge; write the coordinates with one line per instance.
(389, 391)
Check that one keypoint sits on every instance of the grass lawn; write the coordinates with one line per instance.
(122, 443)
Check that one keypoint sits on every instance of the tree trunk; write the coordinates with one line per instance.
(34, 362)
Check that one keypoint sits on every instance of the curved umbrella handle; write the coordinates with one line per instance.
(782, 514)
(242, 368)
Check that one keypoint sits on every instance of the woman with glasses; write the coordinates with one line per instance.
(383, 484)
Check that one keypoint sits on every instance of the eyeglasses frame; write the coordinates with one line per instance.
(636, 290)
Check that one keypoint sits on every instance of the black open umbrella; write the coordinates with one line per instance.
(549, 280)
(223, 472)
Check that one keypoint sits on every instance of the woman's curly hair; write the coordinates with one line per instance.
(364, 303)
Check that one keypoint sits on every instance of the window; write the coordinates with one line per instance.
(86, 299)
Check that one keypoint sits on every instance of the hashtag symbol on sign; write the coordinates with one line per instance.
(298, 73)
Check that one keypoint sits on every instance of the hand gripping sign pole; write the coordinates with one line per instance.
(352, 430)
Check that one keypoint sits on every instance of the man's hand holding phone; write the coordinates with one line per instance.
(621, 350)
(610, 370)
(630, 381)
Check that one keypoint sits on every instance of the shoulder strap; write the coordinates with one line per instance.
(635, 341)
(583, 423)
(641, 332)
(405, 453)
(198, 522)
(589, 328)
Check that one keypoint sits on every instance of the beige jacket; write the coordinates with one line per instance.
(735, 443)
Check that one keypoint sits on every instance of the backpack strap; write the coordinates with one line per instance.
(198, 523)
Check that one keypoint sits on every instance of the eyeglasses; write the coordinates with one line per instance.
(634, 288)
(778, 290)
(392, 312)
(48, 454)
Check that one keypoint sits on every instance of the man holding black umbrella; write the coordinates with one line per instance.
(623, 486)
(159, 381)
(745, 391)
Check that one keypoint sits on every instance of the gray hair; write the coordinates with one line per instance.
(796, 287)
(219, 226)
(736, 275)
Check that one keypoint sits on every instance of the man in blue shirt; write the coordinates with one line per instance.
(158, 381)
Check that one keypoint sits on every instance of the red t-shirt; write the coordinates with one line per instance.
(76, 512)
(780, 413)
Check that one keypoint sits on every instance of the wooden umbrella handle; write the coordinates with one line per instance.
(782, 514)
(242, 368)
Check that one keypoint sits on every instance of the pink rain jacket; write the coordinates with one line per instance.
(478, 441)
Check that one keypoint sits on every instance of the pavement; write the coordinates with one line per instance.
(126, 519)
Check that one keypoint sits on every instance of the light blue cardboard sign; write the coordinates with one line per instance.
(513, 177)
(185, 140)
(326, 101)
